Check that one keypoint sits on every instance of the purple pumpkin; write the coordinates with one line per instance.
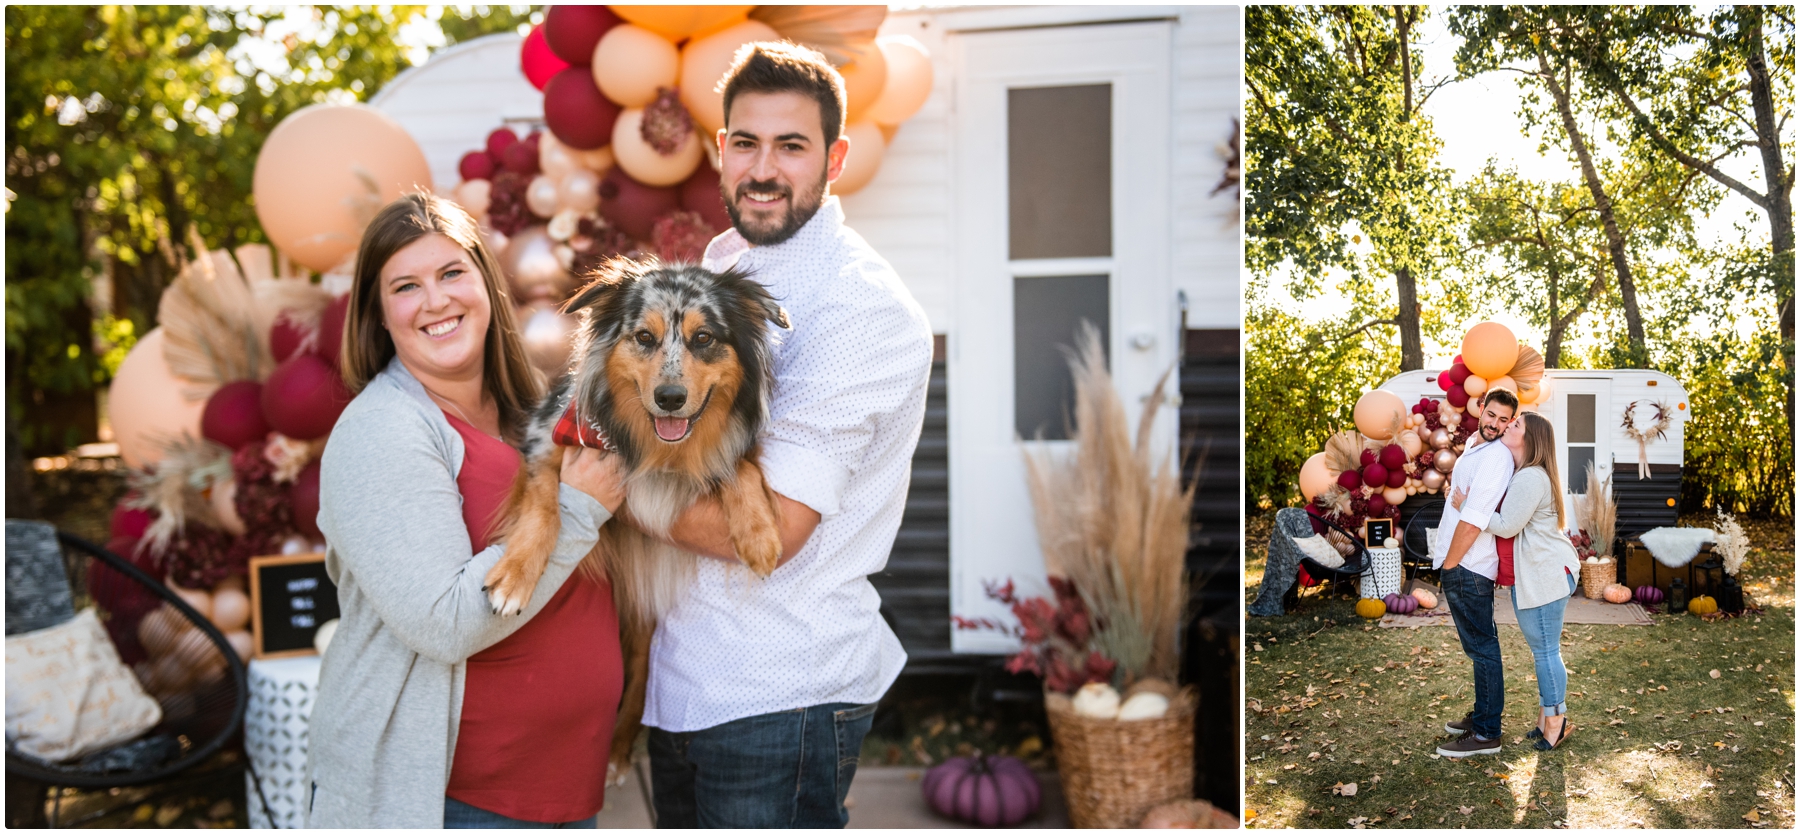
(989, 791)
(1648, 595)
(1400, 603)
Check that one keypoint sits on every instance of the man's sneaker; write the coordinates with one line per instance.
(1469, 745)
(1459, 727)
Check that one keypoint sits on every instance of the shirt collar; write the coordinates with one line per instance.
(731, 247)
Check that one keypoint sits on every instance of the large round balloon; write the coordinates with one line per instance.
(538, 61)
(677, 22)
(632, 206)
(579, 191)
(908, 80)
(1376, 412)
(542, 196)
(555, 159)
(642, 162)
(573, 30)
(304, 495)
(866, 150)
(477, 165)
(331, 329)
(546, 335)
(864, 78)
(1490, 349)
(700, 194)
(147, 405)
(576, 111)
(1314, 477)
(475, 196)
(531, 267)
(324, 172)
(704, 62)
(631, 64)
(233, 416)
(304, 397)
(1475, 386)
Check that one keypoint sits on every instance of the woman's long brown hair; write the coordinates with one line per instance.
(1540, 450)
(507, 375)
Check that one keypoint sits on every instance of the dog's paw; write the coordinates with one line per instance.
(762, 554)
(509, 588)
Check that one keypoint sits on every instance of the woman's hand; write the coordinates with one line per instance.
(1456, 496)
(598, 473)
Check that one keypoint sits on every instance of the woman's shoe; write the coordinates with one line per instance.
(1544, 743)
(1536, 733)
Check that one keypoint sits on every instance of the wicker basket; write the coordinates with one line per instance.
(1595, 576)
(1114, 772)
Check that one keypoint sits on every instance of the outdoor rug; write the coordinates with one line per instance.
(1581, 611)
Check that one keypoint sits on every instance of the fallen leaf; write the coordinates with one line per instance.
(1714, 674)
(1466, 810)
(1357, 822)
(1753, 816)
(1344, 789)
(1249, 814)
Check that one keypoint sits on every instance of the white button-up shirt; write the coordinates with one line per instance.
(844, 418)
(1485, 471)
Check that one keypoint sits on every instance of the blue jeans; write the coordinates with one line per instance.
(463, 815)
(1543, 628)
(1471, 599)
(787, 769)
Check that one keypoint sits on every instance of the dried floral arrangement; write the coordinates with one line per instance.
(1732, 543)
(1597, 514)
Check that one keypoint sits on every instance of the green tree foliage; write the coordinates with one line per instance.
(129, 125)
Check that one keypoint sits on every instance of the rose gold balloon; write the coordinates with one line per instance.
(531, 266)
(1445, 461)
(474, 196)
(1440, 439)
(546, 336)
(579, 190)
(555, 158)
(1432, 480)
(541, 196)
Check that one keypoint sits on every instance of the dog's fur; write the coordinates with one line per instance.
(646, 331)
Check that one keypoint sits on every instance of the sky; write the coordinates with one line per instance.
(1477, 119)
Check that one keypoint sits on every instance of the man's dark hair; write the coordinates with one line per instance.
(1503, 397)
(782, 67)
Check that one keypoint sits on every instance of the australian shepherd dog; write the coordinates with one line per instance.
(671, 370)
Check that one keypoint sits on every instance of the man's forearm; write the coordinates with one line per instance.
(1460, 542)
(703, 529)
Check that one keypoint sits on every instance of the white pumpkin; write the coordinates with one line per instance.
(1097, 700)
(1144, 705)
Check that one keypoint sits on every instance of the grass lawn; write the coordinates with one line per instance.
(1685, 723)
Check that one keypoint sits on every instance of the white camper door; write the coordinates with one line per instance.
(1580, 408)
(1062, 170)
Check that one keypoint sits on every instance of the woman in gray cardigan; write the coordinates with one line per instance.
(428, 333)
(1544, 563)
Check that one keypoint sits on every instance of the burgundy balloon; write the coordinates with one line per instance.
(303, 496)
(521, 158)
(129, 523)
(633, 206)
(1457, 396)
(499, 140)
(1349, 479)
(534, 139)
(233, 416)
(576, 112)
(303, 397)
(700, 194)
(537, 60)
(1367, 457)
(1469, 423)
(331, 330)
(1374, 474)
(1393, 456)
(124, 600)
(1396, 478)
(573, 31)
(1377, 503)
(285, 338)
(1458, 373)
(476, 165)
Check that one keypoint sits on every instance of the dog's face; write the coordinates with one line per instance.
(680, 351)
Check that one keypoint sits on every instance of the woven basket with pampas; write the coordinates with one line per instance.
(1112, 520)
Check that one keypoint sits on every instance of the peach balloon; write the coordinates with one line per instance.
(864, 161)
(631, 63)
(200, 601)
(230, 609)
(864, 78)
(555, 158)
(474, 196)
(704, 62)
(1314, 477)
(1410, 442)
(314, 175)
(1376, 412)
(541, 196)
(642, 162)
(223, 497)
(598, 160)
(677, 22)
(241, 642)
(1503, 381)
(908, 80)
(579, 190)
(1475, 385)
(1543, 392)
(1489, 349)
(1395, 495)
(146, 404)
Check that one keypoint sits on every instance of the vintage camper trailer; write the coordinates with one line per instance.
(1588, 410)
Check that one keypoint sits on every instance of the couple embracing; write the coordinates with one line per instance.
(434, 711)
(1503, 525)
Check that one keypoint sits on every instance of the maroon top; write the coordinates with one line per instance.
(538, 706)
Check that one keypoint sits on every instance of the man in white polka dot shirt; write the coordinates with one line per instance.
(761, 691)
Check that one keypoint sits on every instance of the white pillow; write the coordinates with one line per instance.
(68, 695)
(1318, 549)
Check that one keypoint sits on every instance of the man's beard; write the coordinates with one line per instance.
(1487, 438)
(799, 211)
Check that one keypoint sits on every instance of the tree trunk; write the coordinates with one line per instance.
(1615, 242)
(1553, 341)
(1781, 205)
(1406, 287)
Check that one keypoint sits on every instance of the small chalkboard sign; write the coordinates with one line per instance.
(1377, 530)
(290, 597)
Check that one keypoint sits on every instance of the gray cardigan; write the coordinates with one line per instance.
(1542, 551)
(391, 686)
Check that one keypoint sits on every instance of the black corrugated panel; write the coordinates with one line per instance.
(1210, 387)
(1649, 503)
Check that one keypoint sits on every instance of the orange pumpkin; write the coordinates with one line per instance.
(1427, 600)
(1617, 594)
(1371, 609)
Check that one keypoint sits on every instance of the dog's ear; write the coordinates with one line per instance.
(756, 297)
(777, 314)
(609, 276)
